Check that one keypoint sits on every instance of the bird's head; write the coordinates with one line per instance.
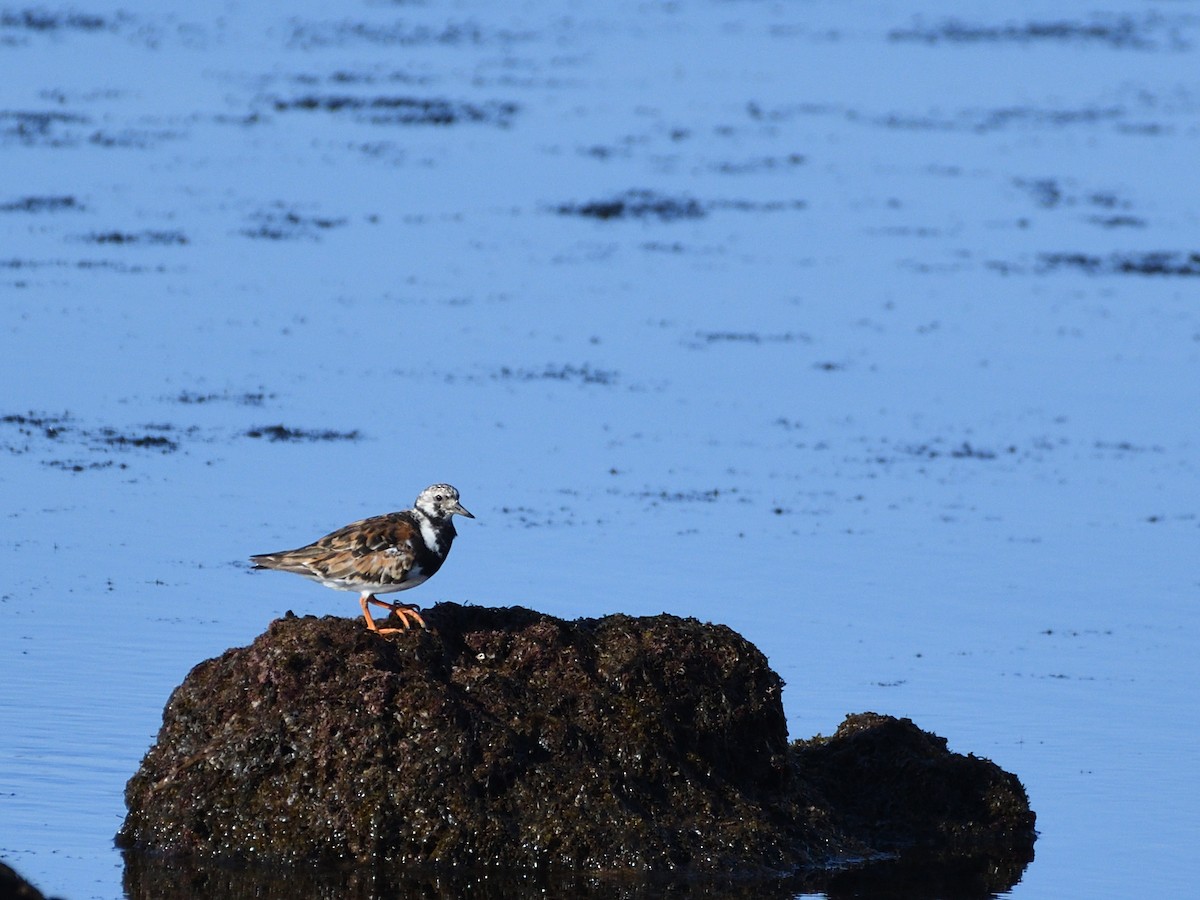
(440, 501)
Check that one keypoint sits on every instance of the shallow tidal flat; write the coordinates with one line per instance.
(870, 333)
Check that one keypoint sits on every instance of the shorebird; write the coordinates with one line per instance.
(380, 555)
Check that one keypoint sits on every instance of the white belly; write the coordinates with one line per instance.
(415, 577)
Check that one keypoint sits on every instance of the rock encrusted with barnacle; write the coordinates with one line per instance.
(508, 738)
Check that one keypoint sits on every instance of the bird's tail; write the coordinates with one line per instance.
(269, 560)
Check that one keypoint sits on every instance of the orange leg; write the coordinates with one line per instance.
(402, 610)
(370, 598)
(409, 610)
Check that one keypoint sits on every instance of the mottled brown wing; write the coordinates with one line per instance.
(376, 551)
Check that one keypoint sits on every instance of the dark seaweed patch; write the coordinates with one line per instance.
(141, 237)
(1050, 193)
(757, 205)
(163, 438)
(343, 77)
(1163, 263)
(979, 120)
(885, 451)
(552, 517)
(53, 129)
(79, 466)
(1119, 221)
(83, 264)
(404, 110)
(49, 426)
(1122, 32)
(708, 338)
(130, 138)
(759, 113)
(38, 128)
(278, 433)
(1046, 192)
(761, 164)
(889, 452)
(562, 372)
(246, 399)
(115, 266)
(43, 20)
(711, 495)
(584, 374)
(988, 120)
(1123, 448)
(41, 204)
(62, 430)
(636, 204)
(1106, 200)
(114, 438)
(324, 34)
(1071, 632)
(282, 224)
(644, 204)
(965, 450)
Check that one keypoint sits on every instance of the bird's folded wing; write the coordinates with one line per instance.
(389, 565)
(379, 550)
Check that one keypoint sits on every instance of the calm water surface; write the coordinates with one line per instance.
(869, 329)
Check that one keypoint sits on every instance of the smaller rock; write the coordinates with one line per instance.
(897, 787)
(14, 887)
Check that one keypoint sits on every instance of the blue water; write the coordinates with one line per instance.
(883, 374)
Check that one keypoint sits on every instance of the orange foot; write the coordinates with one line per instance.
(403, 611)
(406, 611)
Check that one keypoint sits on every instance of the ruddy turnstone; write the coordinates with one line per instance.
(380, 555)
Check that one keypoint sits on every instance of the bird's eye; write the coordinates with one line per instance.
(439, 496)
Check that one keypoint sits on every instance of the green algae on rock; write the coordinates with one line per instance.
(505, 737)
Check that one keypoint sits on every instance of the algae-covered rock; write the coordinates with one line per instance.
(504, 737)
(14, 887)
(896, 786)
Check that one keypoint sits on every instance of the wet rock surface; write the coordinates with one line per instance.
(508, 738)
(14, 887)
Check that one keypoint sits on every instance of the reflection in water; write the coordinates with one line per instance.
(920, 876)
(155, 877)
